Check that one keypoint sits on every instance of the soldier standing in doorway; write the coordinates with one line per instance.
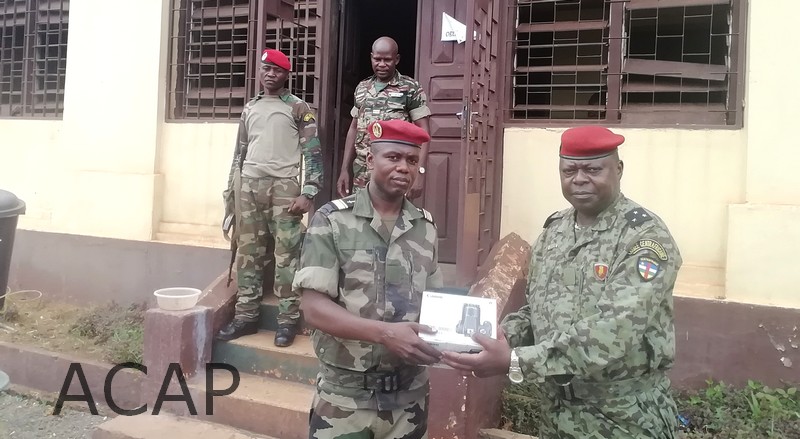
(276, 131)
(383, 96)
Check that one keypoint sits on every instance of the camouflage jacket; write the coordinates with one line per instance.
(402, 98)
(306, 123)
(599, 298)
(345, 257)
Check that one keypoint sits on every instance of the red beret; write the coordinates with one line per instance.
(589, 142)
(397, 131)
(276, 57)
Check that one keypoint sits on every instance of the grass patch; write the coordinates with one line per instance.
(119, 329)
(717, 411)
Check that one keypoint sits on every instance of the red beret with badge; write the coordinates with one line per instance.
(589, 142)
(276, 57)
(397, 131)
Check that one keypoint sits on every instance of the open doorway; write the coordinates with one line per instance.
(392, 18)
(361, 23)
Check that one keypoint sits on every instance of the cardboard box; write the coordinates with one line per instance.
(456, 318)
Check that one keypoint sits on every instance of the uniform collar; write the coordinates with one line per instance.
(283, 94)
(363, 207)
(609, 216)
(605, 220)
(394, 80)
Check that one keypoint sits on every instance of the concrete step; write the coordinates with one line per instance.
(269, 314)
(267, 406)
(165, 425)
(257, 354)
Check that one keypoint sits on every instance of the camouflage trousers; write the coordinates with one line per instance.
(265, 217)
(328, 421)
(360, 173)
(649, 414)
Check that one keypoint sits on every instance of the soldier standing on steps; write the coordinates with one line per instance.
(366, 260)
(597, 332)
(275, 130)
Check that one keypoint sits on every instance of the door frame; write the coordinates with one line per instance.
(467, 261)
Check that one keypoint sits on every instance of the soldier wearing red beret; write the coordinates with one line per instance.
(597, 330)
(366, 260)
(277, 130)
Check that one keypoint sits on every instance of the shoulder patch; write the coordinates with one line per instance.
(427, 215)
(336, 205)
(551, 218)
(308, 117)
(648, 268)
(637, 217)
(650, 245)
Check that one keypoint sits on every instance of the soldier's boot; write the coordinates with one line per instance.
(285, 334)
(237, 328)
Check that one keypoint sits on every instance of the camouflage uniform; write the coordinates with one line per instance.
(264, 212)
(345, 256)
(600, 315)
(401, 98)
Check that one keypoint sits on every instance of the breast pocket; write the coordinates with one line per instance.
(358, 270)
(397, 101)
(403, 295)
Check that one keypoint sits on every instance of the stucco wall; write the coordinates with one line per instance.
(113, 167)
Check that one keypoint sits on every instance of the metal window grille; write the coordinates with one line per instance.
(214, 47)
(651, 62)
(298, 40)
(560, 59)
(209, 58)
(33, 57)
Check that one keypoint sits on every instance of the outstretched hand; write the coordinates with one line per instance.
(494, 359)
(403, 340)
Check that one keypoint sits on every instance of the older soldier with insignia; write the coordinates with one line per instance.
(597, 331)
(366, 260)
(386, 95)
(264, 200)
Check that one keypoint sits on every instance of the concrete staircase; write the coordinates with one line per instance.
(272, 400)
(276, 388)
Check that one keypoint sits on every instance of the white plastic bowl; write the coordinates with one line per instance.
(177, 298)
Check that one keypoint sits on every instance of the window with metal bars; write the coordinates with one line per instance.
(214, 53)
(642, 62)
(33, 58)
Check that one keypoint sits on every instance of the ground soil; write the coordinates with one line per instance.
(46, 324)
(27, 417)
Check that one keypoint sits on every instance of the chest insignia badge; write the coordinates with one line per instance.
(600, 271)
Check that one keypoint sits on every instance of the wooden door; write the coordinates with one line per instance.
(481, 137)
(440, 71)
(461, 79)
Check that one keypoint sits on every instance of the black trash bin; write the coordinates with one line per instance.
(11, 208)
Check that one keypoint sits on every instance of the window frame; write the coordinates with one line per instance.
(40, 20)
(264, 17)
(616, 26)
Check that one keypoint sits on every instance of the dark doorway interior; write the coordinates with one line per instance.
(362, 22)
(392, 18)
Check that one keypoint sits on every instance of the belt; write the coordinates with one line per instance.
(383, 381)
(594, 390)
